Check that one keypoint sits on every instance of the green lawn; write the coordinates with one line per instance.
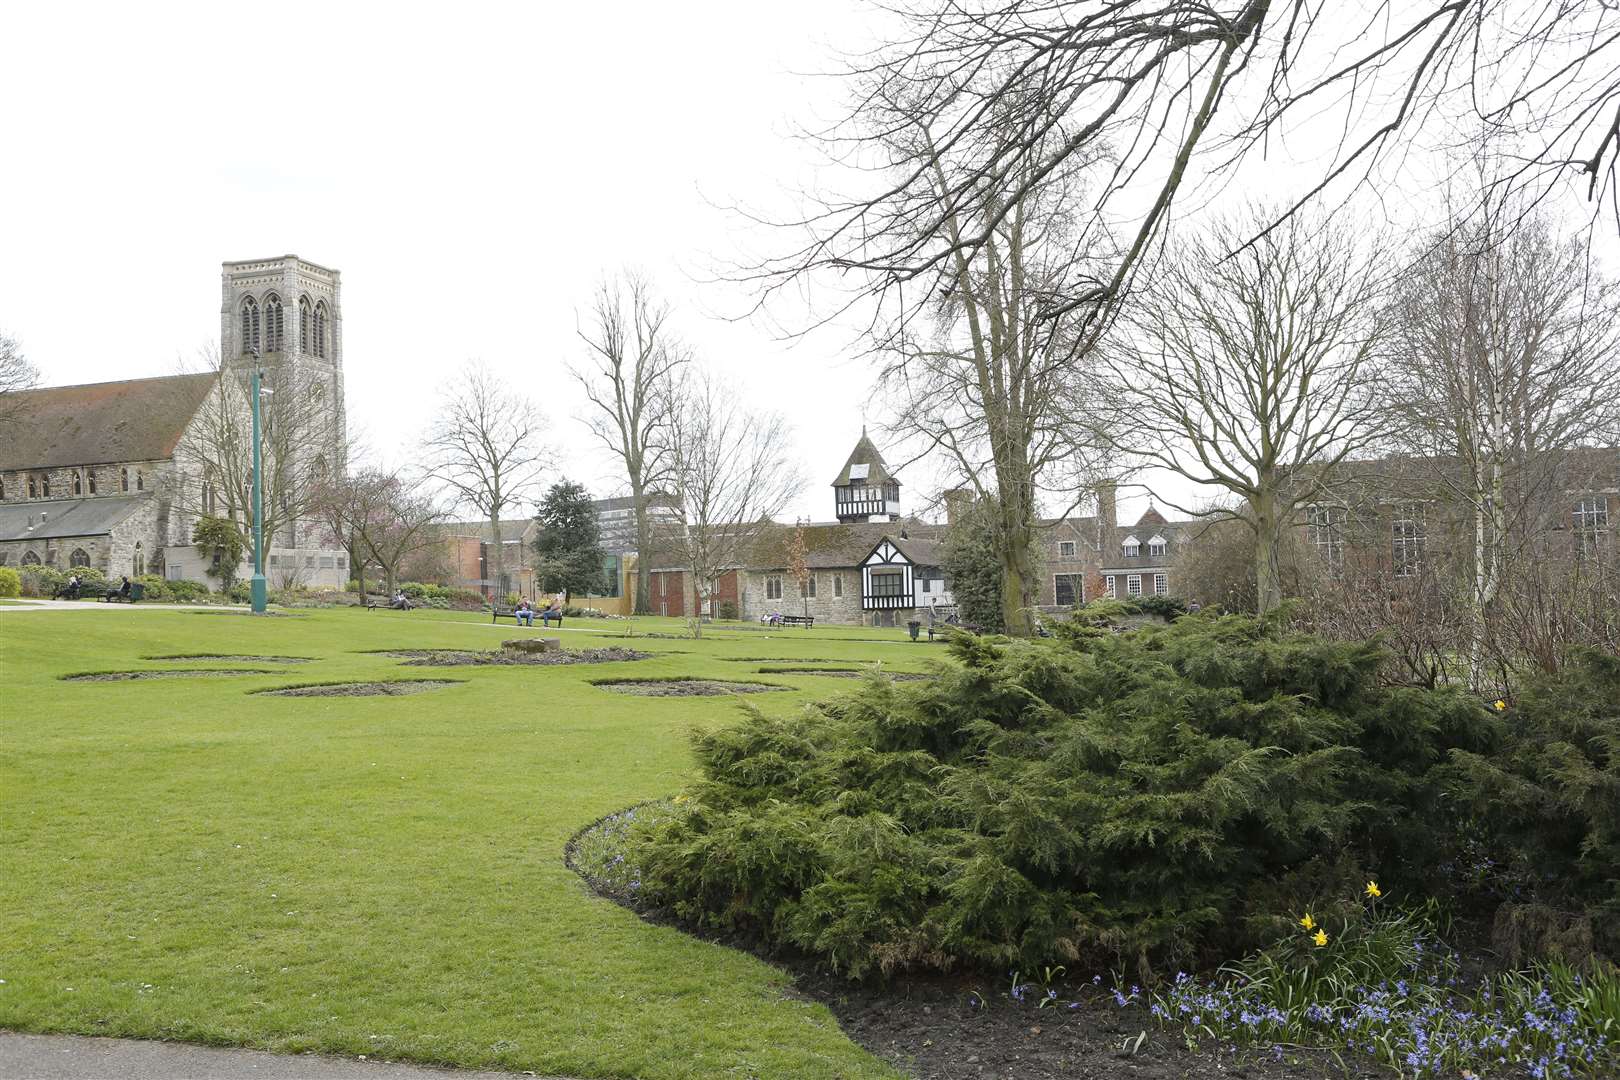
(182, 859)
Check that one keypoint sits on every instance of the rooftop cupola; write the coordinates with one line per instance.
(865, 490)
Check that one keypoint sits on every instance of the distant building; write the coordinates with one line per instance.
(870, 567)
(617, 519)
(1088, 558)
(471, 558)
(96, 475)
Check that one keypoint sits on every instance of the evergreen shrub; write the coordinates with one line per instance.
(1115, 798)
(10, 582)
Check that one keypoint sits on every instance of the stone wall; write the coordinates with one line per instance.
(825, 606)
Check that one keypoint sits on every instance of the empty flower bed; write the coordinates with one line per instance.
(397, 688)
(685, 687)
(466, 657)
(243, 658)
(171, 673)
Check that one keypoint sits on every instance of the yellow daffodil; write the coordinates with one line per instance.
(1373, 890)
(1320, 937)
(1307, 922)
(1500, 704)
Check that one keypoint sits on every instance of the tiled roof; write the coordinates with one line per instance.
(833, 546)
(65, 518)
(99, 423)
(865, 453)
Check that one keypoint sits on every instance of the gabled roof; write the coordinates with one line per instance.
(100, 423)
(1150, 516)
(865, 453)
(64, 518)
(830, 546)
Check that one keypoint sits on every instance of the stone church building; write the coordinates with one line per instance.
(114, 475)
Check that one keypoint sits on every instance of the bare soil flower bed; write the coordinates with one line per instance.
(172, 673)
(363, 689)
(844, 673)
(239, 657)
(972, 1026)
(462, 658)
(686, 687)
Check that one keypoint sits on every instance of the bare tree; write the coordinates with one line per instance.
(1252, 373)
(1503, 369)
(301, 437)
(629, 377)
(485, 446)
(16, 373)
(1172, 99)
(999, 391)
(386, 516)
(731, 475)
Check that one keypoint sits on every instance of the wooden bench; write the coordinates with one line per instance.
(115, 596)
(496, 614)
(806, 621)
(374, 602)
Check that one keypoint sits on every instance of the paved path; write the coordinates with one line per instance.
(33, 604)
(76, 1057)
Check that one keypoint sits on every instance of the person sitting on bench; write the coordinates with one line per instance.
(523, 613)
(401, 601)
(551, 612)
(123, 590)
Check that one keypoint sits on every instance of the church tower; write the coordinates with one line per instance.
(290, 313)
(865, 490)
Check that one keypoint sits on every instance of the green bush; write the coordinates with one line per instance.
(10, 582)
(1122, 798)
(416, 590)
(1551, 797)
(186, 592)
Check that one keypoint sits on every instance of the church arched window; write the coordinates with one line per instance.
(78, 483)
(80, 557)
(123, 479)
(45, 485)
(250, 325)
(274, 327)
(2, 488)
(305, 314)
(318, 346)
(30, 558)
(92, 475)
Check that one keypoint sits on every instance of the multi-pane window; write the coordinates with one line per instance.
(1161, 584)
(773, 587)
(80, 557)
(1110, 587)
(1132, 547)
(273, 325)
(1591, 522)
(250, 325)
(1065, 549)
(1133, 585)
(1066, 589)
(888, 583)
(1324, 528)
(1157, 547)
(838, 585)
(1407, 531)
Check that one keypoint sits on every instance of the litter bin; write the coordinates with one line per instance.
(914, 626)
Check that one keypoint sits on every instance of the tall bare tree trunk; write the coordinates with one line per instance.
(643, 590)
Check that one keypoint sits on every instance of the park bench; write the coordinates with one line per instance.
(114, 596)
(374, 602)
(806, 621)
(496, 614)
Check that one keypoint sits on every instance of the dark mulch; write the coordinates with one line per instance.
(686, 687)
(968, 1027)
(363, 689)
(844, 673)
(172, 673)
(239, 657)
(459, 658)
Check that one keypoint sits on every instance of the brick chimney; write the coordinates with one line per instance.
(957, 501)
(1107, 504)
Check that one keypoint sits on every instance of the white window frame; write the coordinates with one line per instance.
(1324, 528)
(1158, 547)
(1066, 549)
(1161, 584)
(1407, 537)
(1133, 585)
(1111, 586)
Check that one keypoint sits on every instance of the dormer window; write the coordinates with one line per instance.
(1157, 546)
(859, 472)
(1132, 547)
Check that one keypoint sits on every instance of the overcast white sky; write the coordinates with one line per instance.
(471, 169)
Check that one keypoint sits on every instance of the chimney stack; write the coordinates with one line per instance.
(1107, 504)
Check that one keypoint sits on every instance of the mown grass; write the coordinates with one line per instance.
(186, 859)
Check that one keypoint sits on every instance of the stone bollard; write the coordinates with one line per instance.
(533, 644)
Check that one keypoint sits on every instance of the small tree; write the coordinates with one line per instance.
(570, 542)
(974, 564)
(16, 374)
(798, 564)
(222, 542)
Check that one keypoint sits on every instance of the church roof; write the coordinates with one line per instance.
(865, 453)
(99, 423)
(58, 519)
